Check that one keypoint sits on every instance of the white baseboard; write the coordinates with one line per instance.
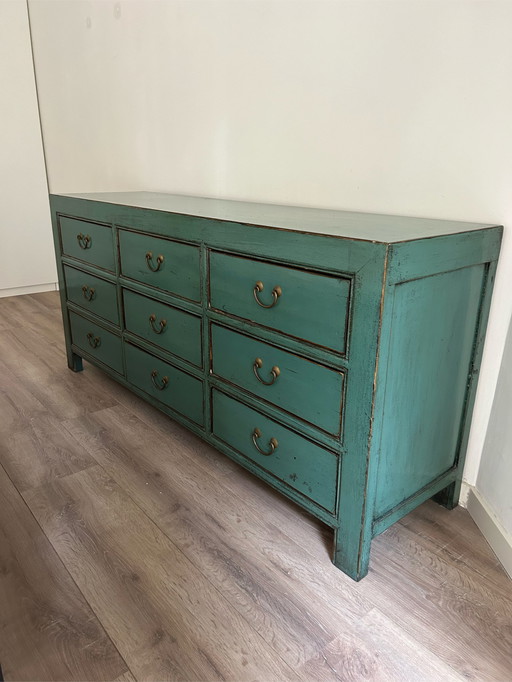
(492, 530)
(33, 289)
(465, 489)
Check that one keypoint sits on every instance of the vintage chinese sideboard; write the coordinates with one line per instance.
(335, 355)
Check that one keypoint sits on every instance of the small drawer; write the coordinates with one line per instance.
(88, 242)
(170, 386)
(92, 293)
(96, 341)
(161, 263)
(292, 459)
(167, 327)
(300, 386)
(303, 304)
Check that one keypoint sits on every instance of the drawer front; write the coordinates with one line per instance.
(173, 330)
(92, 293)
(162, 381)
(294, 460)
(301, 304)
(304, 388)
(161, 263)
(96, 341)
(89, 242)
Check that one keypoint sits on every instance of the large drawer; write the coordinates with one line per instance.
(96, 341)
(162, 263)
(299, 386)
(290, 458)
(92, 293)
(87, 241)
(303, 304)
(169, 385)
(167, 327)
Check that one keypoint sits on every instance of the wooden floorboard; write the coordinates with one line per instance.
(131, 550)
(47, 629)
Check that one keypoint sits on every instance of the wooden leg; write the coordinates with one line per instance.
(449, 497)
(75, 362)
(353, 561)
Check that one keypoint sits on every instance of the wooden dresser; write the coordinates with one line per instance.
(335, 355)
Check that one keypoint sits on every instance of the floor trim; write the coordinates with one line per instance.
(465, 489)
(492, 530)
(33, 289)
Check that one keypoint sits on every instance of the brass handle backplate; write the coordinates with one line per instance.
(88, 292)
(272, 443)
(151, 265)
(94, 341)
(84, 240)
(164, 383)
(276, 292)
(274, 372)
(162, 324)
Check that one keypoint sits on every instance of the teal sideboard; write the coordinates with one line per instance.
(335, 355)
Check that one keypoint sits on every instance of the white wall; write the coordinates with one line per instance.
(494, 482)
(26, 252)
(392, 106)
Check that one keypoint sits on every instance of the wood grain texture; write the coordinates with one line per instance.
(47, 629)
(175, 555)
(157, 608)
(126, 677)
(377, 649)
(226, 541)
(42, 452)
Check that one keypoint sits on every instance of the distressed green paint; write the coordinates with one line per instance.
(311, 306)
(429, 362)
(181, 334)
(233, 360)
(99, 298)
(389, 303)
(108, 348)
(234, 423)
(182, 392)
(179, 273)
(100, 251)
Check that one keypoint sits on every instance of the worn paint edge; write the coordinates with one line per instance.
(499, 539)
(96, 199)
(390, 517)
(365, 515)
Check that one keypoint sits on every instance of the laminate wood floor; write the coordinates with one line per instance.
(131, 550)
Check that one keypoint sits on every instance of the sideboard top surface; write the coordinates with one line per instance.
(370, 227)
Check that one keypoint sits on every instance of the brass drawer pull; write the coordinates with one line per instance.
(94, 341)
(149, 261)
(161, 386)
(276, 292)
(274, 372)
(272, 443)
(84, 240)
(162, 323)
(88, 292)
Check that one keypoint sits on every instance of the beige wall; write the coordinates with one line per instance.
(386, 105)
(26, 252)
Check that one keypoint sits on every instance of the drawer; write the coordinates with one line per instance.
(167, 327)
(303, 304)
(88, 242)
(161, 263)
(169, 385)
(303, 387)
(92, 293)
(290, 458)
(96, 341)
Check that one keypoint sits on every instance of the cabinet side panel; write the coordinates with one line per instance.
(434, 325)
